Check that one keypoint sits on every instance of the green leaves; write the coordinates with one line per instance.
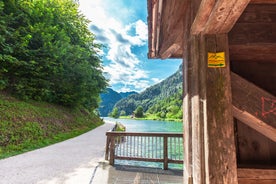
(48, 53)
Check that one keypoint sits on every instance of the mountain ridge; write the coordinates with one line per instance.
(151, 98)
(109, 99)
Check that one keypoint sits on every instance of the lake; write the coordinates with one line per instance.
(133, 125)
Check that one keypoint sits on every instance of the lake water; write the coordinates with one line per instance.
(133, 125)
(148, 126)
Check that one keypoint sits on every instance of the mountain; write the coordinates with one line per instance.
(109, 99)
(161, 98)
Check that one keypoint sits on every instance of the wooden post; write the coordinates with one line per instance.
(219, 147)
(165, 151)
(187, 112)
(112, 150)
(209, 123)
(107, 147)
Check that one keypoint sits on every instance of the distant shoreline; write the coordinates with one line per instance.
(146, 118)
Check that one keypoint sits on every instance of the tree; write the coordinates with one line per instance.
(49, 53)
(122, 113)
(139, 112)
(115, 113)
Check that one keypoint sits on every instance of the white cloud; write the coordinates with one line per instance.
(156, 80)
(124, 65)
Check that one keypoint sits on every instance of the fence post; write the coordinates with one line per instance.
(165, 146)
(107, 146)
(112, 150)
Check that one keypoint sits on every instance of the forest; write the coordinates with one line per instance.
(48, 54)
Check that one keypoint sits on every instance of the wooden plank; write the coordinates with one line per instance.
(165, 152)
(249, 98)
(197, 127)
(171, 32)
(107, 147)
(261, 13)
(224, 15)
(263, 2)
(253, 148)
(170, 49)
(260, 174)
(220, 148)
(255, 123)
(261, 73)
(254, 181)
(187, 113)
(253, 52)
(202, 16)
(112, 151)
(145, 134)
(253, 33)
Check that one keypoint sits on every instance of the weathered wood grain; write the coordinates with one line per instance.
(263, 2)
(171, 31)
(203, 13)
(255, 123)
(220, 147)
(255, 181)
(249, 98)
(253, 148)
(249, 173)
(224, 15)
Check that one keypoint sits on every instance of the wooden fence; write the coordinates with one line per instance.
(146, 146)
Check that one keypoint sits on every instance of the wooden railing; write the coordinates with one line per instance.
(146, 146)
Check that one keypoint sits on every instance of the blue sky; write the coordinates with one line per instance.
(121, 26)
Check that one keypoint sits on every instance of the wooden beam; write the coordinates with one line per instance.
(255, 123)
(214, 17)
(255, 181)
(263, 2)
(197, 115)
(219, 131)
(253, 33)
(210, 119)
(187, 113)
(253, 52)
(260, 174)
(168, 52)
(171, 28)
(224, 15)
(256, 104)
(202, 16)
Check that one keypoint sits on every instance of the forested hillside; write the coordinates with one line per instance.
(163, 100)
(48, 53)
(109, 98)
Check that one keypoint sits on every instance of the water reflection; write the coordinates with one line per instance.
(133, 125)
(150, 126)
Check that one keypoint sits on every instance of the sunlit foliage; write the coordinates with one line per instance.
(48, 54)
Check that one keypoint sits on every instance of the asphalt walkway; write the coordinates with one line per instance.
(79, 160)
(70, 162)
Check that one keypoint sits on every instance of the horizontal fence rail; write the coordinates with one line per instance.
(146, 146)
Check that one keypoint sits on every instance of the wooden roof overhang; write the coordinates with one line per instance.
(253, 25)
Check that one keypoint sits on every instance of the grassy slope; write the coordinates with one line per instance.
(25, 126)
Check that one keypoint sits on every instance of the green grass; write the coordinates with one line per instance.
(26, 126)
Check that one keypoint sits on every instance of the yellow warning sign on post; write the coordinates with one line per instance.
(216, 60)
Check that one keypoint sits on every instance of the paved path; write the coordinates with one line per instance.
(69, 162)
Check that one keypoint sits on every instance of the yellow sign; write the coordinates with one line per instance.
(216, 60)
